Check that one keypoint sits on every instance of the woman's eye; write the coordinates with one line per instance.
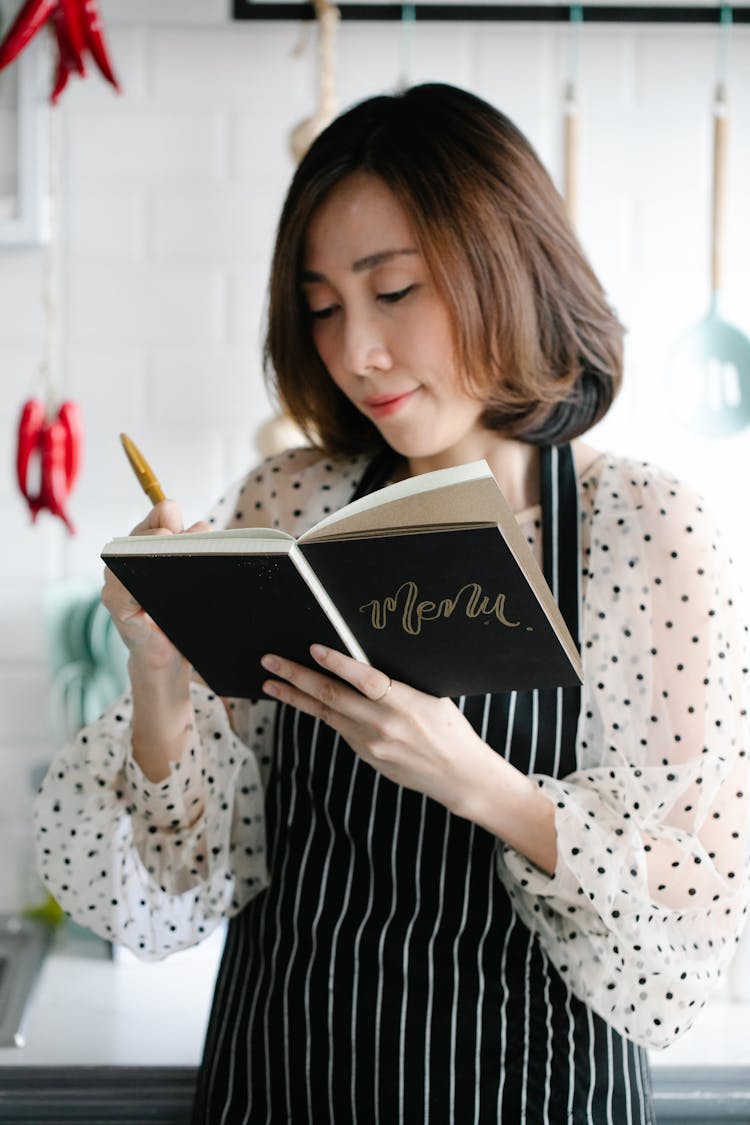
(322, 314)
(397, 295)
(387, 298)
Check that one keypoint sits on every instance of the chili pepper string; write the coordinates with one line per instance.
(50, 432)
(32, 16)
(49, 368)
(77, 27)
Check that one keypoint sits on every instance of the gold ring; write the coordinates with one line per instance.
(380, 698)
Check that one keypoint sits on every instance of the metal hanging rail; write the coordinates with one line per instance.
(501, 13)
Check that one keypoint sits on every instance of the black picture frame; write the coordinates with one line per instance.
(703, 13)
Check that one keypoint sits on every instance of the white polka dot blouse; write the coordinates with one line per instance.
(649, 896)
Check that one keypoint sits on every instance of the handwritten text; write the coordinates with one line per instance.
(405, 603)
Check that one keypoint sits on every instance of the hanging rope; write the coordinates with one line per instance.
(328, 21)
(328, 18)
(280, 432)
(49, 375)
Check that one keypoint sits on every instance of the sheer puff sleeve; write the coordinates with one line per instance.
(155, 865)
(650, 891)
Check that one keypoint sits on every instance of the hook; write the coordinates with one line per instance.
(725, 25)
(408, 27)
(574, 36)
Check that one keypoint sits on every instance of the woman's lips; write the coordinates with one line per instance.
(382, 405)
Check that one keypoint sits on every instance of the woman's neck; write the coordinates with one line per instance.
(514, 464)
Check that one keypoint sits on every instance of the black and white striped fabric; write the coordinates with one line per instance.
(384, 977)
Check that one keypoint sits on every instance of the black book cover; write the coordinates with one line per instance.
(449, 612)
(430, 579)
(223, 612)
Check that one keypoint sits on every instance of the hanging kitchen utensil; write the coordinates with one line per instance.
(570, 152)
(710, 365)
(303, 135)
(408, 29)
(87, 657)
(571, 120)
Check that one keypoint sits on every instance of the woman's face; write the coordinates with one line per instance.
(380, 326)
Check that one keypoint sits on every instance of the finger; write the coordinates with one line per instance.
(329, 696)
(370, 682)
(199, 525)
(164, 517)
(285, 692)
(117, 599)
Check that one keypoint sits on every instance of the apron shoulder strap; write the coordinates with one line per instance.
(377, 472)
(560, 521)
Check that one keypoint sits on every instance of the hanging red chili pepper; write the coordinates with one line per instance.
(72, 19)
(62, 71)
(71, 422)
(33, 15)
(94, 35)
(77, 25)
(66, 58)
(29, 428)
(52, 446)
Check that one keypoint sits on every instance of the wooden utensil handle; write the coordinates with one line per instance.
(571, 146)
(719, 189)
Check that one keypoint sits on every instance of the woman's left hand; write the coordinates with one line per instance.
(416, 740)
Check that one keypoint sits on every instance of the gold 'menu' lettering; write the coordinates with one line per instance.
(413, 612)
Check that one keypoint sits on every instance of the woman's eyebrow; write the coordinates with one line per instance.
(378, 259)
(367, 263)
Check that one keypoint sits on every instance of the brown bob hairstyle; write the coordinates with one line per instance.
(535, 338)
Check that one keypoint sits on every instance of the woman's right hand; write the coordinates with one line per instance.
(148, 646)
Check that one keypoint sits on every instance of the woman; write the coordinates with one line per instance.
(472, 910)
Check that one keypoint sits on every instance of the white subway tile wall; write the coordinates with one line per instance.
(171, 195)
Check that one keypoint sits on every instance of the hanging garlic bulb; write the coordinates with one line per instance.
(277, 434)
(280, 432)
(328, 17)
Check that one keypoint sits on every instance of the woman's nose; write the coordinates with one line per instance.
(365, 346)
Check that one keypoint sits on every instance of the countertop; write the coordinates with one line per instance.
(92, 1011)
(95, 1011)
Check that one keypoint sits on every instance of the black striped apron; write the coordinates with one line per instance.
(384, 977)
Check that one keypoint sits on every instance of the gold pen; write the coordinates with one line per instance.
(143, 471)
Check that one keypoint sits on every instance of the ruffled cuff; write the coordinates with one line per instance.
(178, 800)
(564, 885)
(130, 858)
